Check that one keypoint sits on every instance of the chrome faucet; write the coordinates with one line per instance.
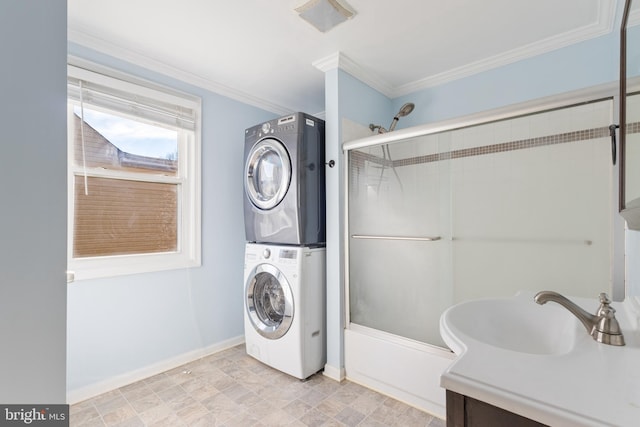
(603, 327)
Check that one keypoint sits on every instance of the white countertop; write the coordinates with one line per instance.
(593, 384)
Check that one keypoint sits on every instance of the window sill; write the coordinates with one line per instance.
(80, 269)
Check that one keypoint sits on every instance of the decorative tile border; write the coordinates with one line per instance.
(358, 158)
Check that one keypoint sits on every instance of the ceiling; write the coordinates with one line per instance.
(262, 53)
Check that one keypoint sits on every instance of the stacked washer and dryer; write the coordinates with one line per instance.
(284, 214)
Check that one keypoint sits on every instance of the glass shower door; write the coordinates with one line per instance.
(400, 238)
(519, 204)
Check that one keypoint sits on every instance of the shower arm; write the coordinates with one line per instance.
(378, 127)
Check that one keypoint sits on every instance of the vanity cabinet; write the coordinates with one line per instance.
(464, 411)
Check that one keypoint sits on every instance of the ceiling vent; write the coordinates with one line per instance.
(325, 14)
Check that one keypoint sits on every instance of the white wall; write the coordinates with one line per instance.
(126, 327)
(33, 193)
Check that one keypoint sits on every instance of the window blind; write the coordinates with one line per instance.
(154, 104)
(122, 217)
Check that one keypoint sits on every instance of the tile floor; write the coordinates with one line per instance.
(232, 389)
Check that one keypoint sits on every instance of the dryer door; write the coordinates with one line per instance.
(269, 301)
(267, 173)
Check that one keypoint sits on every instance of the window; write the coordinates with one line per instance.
(134, 175)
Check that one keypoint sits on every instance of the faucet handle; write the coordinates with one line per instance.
(604, 298)
(605, 310)
(607, 329)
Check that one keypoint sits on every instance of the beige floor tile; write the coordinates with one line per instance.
(86, 416)
(161, 384)
(243, 419)
(192, 413)
(172, 393)
(119, 415)
(313, 397)
(368, 402)
(349, 416)
(315, 418)
(277, 418)
(144, 403)
(230, 389)
(208, 420)
(331, 406)
(437, 422)
(109, 402)
(222, 407)
(131, 422)
(135, 391)
(156, 414)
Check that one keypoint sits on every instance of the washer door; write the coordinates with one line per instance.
(269, 301)
(267, 173)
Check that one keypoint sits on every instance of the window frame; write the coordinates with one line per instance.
(188, 253)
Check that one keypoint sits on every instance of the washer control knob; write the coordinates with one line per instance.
(266, 127)
(266, 253)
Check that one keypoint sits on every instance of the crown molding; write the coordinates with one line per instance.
(83, 39)
(602, 26)
(343, 62)
(329, 62)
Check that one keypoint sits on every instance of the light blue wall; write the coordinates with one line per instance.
(123, 324)
(578, 66)
(361, 104)
(33, 196)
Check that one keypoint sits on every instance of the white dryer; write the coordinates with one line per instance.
(284, 316)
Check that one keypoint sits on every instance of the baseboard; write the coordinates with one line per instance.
(337, 374)
(89, 391)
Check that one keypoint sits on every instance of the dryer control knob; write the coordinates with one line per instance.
(266, 253)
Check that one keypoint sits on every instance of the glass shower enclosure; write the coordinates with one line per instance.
(473, 210)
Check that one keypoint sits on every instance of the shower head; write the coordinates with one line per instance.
(405, 110)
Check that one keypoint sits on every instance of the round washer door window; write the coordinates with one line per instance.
(267, 173)
(269, 301)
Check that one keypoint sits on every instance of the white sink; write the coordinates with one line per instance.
(516, 324)
(539, 361)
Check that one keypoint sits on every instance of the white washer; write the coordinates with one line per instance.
(284, 316)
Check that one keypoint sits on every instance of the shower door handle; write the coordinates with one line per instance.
(412, 238)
